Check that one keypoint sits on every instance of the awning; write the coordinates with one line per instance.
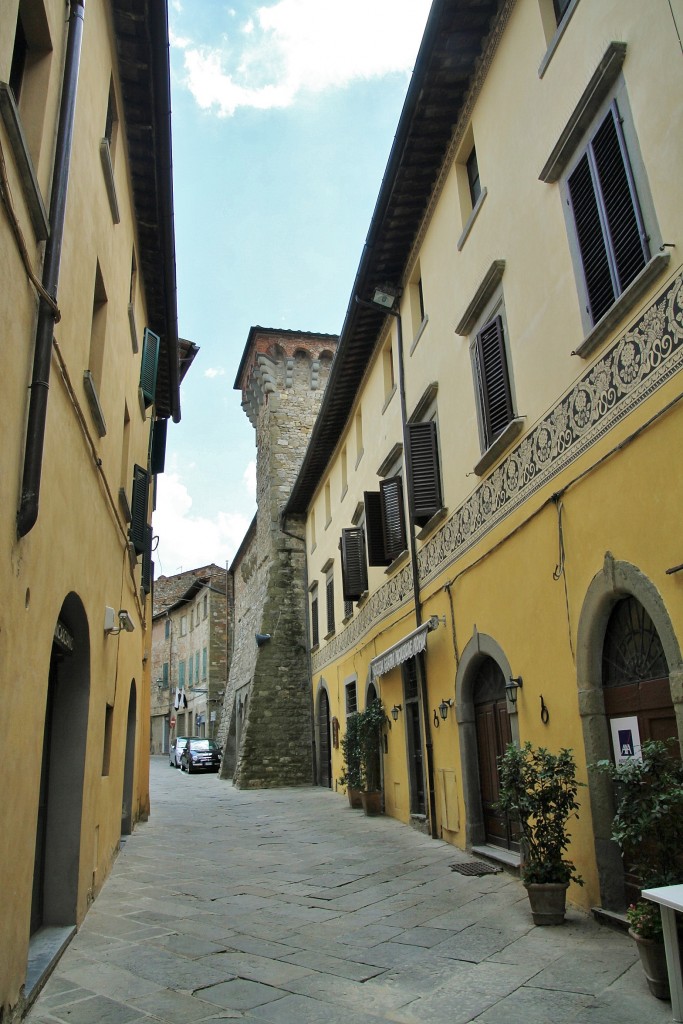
(412, 644)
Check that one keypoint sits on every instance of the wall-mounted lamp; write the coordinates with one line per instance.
(513, 684)
(124, 621)
(444, 706)
(395, 710)
(385, 296)
(262, 638)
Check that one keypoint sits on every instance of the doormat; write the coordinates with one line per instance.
(475, 867)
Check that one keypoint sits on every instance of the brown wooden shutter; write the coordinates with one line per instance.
(393, 516)
(329, 591)
(374, 530)
(158, 453)
(423, 453)
(147, 563)
(354, 567)
(315, 626)
(494, 379)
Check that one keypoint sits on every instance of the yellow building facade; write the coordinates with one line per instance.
(89, 324)
(492, 489)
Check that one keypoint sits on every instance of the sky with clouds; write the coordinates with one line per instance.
(283, 118)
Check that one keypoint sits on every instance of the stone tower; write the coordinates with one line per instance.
(266, 721)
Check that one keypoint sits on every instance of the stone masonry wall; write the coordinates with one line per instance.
(286, 380)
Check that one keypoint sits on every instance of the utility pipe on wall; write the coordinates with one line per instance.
(42, 357)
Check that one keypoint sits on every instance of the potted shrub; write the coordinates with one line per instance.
(352, 773)
(371, 721)
(539, 789)
(648, 827)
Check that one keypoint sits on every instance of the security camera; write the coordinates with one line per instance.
(126, 621)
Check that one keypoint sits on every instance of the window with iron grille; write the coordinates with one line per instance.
(315, 623)
(329, 597)
(610, 232)
(351, 698)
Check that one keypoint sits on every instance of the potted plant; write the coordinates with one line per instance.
(352, 773)
(539, 789)
(371, 721)
(648, 826)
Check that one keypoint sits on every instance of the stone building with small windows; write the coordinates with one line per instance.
(189, 655)
(492, 490)
(266, 721)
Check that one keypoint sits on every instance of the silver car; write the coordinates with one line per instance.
(176, 750)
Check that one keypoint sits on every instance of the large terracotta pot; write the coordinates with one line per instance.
(355, 798)
(653, 959)
(548, 901)
(372, 802)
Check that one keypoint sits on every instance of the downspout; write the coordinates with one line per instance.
(40, 380)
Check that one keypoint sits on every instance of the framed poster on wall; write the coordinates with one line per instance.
(625, 739)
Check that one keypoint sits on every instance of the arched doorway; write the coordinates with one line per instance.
(129, 764)
(324, 743)
(58, 825)
(493, 736)
(628, 660)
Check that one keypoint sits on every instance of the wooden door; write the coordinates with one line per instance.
(325, 745)
(493, 736)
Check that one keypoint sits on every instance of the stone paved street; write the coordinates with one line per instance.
(287, 907)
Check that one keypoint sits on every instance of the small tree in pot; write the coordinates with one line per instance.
(540, 790)
(648, 826)
(352, 771)
(371, 721)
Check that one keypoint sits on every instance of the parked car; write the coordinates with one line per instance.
(177, 747)
(200, 755)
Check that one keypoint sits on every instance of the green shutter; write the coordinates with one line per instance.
(138, 523)
(150, 365)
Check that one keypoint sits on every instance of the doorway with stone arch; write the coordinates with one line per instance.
(629, 668)
(323, 737)
(60, 803)
(129, 764)
(487, 723)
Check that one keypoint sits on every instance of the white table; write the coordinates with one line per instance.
(670, 899)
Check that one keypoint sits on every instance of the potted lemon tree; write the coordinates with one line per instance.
(371, 722)
(352, 772)
(539, 789)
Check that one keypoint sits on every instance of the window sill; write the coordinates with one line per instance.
(361, 453)
(388, 399)
(328, 636)
(125, 506)
(108, 172)
(313, 547)
(314, 648)
(347, 619)
(431, 525)
(503, 441)
(555, 41)
(362, 599)
(133, 328)
(623, 305)
(471, 219)
(399, 560)
(344, 492)
(94, 403)
(420, 332)
(25, 168)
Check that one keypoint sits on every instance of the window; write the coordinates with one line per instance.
(190, 671)
(181, 674)
(164, 676)
(492, 380)
(108, 729)
(328, 504)
(183, 625)
(329, 599)
(315, 624)
(30, 72)
(423, 453)
(314, 541)
(148, 369)
(359, 436)
(138, 508)
(196, 667)
(611, 236)
(388, 371)
(351, 694)
(125, 447)
(167, 629)
(111, 123)
(473, 177)
(204, 662)
(92, 380)
(344, 472)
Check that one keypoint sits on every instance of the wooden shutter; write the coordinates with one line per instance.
(393, 516)
(158, 454)
(609, 225)
(150, 364)
(354, 567)
(424, 464)
(315, 626)
(329, 593)
(147, 563)
(374, 529)
(136, 530)
(494, 380)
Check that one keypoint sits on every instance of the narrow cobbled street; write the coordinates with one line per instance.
(286, 906)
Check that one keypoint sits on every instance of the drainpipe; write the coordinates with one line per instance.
(40, 381)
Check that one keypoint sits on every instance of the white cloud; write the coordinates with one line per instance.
(187, 540)
(249, 479)
(295, 46)
(214, 371)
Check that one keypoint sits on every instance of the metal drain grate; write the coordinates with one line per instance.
(475, 867)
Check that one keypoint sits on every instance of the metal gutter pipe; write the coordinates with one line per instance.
(42, 357)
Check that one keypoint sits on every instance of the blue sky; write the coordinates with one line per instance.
(283, 118)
